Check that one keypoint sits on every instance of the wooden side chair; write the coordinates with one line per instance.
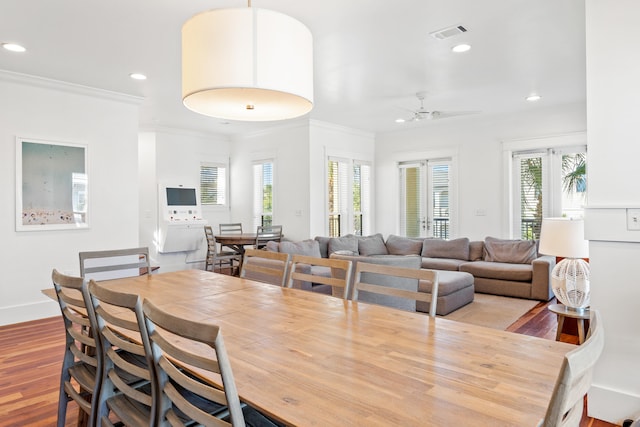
(232, 228)
(115, 264)
(81, 374)
(340, 273)
(265, 266)
(219, 259)
(395, 293)
(574, 380)
(127, 390)
(266, 234)
(186, 400)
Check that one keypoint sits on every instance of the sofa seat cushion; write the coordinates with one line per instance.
(499, 270)
(442, 263)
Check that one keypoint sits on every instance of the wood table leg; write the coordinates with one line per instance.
(560, 325)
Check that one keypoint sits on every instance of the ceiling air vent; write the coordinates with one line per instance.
(445, 33)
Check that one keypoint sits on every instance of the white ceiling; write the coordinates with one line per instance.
(370, 56)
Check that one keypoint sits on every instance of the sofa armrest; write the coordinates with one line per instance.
(541, 281)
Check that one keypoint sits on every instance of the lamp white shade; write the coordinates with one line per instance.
(563, 237)
(247, 64)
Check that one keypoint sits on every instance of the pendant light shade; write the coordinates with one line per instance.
(247, 64)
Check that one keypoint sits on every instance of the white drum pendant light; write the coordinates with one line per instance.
(247, 64)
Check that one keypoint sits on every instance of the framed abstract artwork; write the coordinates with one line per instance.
(51, 185)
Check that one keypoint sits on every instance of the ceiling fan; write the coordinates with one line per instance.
(423, 114)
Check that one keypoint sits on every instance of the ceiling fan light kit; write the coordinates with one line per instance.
(247, 64)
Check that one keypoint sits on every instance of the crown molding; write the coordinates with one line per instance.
(42, 82)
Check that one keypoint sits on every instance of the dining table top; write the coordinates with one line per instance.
(237, 238)
(309, 359)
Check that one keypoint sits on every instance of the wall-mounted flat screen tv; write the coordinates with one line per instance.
(181, 196)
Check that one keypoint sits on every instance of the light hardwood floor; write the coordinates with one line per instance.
(31, 358)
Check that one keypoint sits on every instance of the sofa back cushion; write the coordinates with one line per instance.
(344, 243)
(510, 251)
(305, 247)
(476, 250)
(324, 245)
(397, 245)
(372, 245)
(455, 249)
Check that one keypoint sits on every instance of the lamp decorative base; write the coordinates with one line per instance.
(570, 283)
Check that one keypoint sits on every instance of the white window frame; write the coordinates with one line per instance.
(346, 208)
(225, 186)
(425, 202)
(553, 147)
(258, 193)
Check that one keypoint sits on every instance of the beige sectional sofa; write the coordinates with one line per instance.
(496, 266)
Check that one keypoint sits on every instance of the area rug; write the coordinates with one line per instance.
(492, 311)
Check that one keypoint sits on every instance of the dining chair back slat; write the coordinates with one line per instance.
(574, 380)
(340, 273)
(114, 264)
(265, 266)
(270, 233)
(82, 363)
(128, 390)
(401, 273)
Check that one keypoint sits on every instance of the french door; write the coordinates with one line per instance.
(425, 208)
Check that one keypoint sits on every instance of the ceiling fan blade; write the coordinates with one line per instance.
(447, 114)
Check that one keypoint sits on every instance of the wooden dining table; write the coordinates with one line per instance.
(237, 241)
(310, 359)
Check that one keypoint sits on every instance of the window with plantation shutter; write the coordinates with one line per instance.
(425, 198)
(349, 196)
(548, 182)
(263, 193)
(213, 184)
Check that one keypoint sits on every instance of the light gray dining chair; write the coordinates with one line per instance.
(127, 391)
(82, 363)
(574, 380)
(267, 233)
(217, 258)
(392, 292)
(265, 266)
(115, 264)
(340, 273)
(231, 228)
(185, 398)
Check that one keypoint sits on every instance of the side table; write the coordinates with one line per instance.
(563, 312)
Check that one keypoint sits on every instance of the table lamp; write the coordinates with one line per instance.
(564, 237)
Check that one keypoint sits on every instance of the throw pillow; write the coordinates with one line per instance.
(454, 249)
(344, 243)
(324, 245)
(397, 245)
(305, 247)
(510, 251)
(372, 245)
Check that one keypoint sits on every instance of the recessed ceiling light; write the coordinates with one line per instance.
(13, 47)
(400, 120)
(459, 48)
(138, 76)
(533, 98)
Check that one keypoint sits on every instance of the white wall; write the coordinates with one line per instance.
(613, 63)
(173, 156)
(108, 125)
(476, 145)
(288, 147)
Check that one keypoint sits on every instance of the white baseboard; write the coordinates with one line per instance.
(613, 406)
(27, 312)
